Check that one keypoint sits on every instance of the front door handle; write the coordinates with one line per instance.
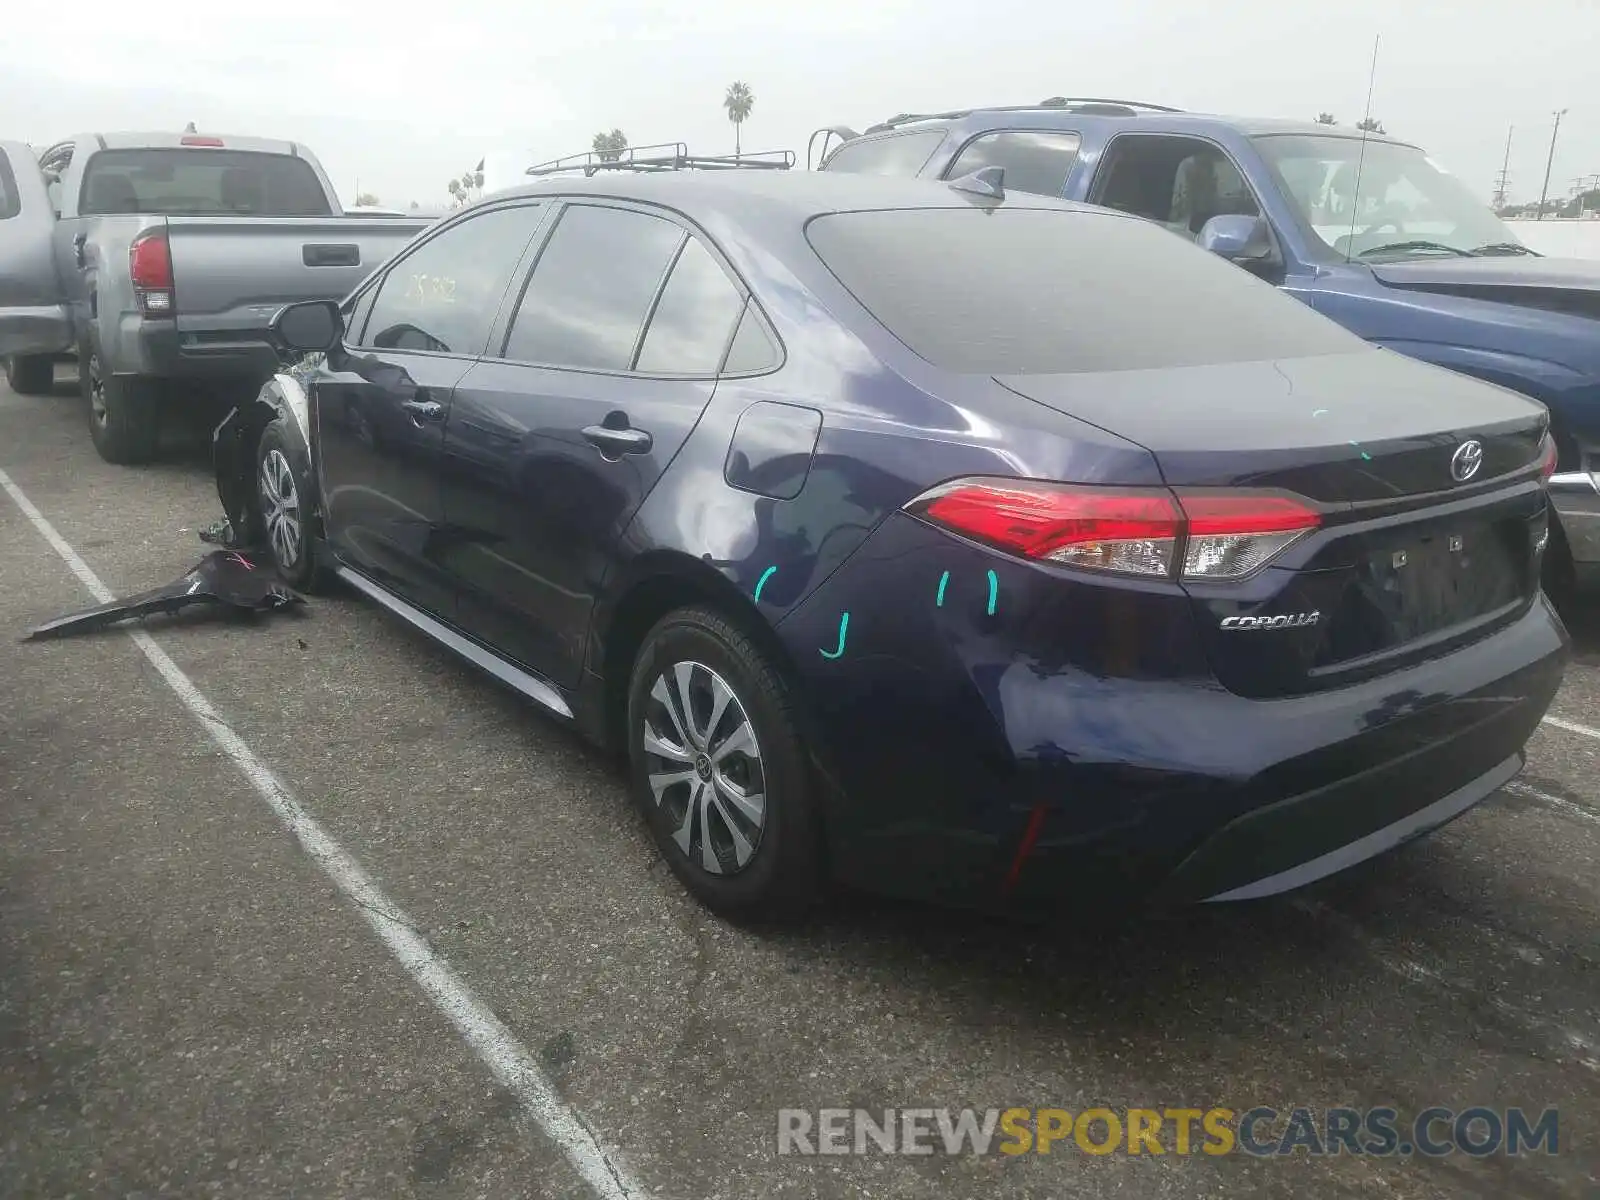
(614, 443)
(423, 410)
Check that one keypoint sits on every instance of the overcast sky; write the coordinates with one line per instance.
(401, 97)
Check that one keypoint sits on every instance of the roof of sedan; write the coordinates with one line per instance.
(797, 193)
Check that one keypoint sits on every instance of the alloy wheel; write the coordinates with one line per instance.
(280, 508)
(704, 767)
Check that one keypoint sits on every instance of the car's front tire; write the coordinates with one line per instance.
(31, 374)
(719, 767)
(286, 509)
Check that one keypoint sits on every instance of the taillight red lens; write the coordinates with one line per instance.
(1133, 531)
(150, 262)
(1547, 457)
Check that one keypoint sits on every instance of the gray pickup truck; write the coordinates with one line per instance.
(159, 259)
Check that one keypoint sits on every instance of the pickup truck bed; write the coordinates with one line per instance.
(159, 260)
(230, 276)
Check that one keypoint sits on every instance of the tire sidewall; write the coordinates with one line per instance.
(301, 574)
(781, 875)
(132, 431)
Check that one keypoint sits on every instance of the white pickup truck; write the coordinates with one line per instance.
(159, 259)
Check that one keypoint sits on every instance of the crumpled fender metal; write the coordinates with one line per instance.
(233, 445)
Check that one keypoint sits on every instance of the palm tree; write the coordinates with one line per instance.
(1371, 125)
(455, 191)
(739, 101)
(609, 146)
(1325, 118)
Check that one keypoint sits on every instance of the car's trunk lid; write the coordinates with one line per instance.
(1367, 426)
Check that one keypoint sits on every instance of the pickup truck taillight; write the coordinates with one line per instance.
(150, 268)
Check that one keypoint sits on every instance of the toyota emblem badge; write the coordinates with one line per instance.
(1464, 463)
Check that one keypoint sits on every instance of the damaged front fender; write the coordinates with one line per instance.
(233, 457)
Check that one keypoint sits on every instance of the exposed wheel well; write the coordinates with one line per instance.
(670, 583)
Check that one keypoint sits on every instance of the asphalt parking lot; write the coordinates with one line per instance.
(192, 1004)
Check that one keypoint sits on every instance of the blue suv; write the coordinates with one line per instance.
(1367, 230)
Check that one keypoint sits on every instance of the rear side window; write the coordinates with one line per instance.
(752, 349)
(445, 294)
(895, 154)
(202, 183)
(694, 319)
(1031, 291)
(1034, 160)
(10, 199)
(592, 288)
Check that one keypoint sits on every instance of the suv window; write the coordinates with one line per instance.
(202, 183)
(1034, 160)
(445, 294)
(1010, 291)
(592, 288)
(1178, 182)
(893, 154)
(694, 319)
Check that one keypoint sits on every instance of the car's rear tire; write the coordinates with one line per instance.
(31, 374)
(285, 507)
(719, 767)
(125, 414)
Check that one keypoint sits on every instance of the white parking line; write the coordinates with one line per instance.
(1560, 804)
(1573, 727)
(507, 1059)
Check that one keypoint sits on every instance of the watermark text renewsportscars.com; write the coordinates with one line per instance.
(1477, 1130)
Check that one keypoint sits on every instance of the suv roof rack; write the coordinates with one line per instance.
(666, 156)
(1091, 105)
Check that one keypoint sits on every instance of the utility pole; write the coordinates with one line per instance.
(1501, 183)
(1544, 193)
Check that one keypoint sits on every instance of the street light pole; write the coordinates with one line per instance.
(1545, 191)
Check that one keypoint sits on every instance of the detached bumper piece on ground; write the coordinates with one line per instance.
(224, 579)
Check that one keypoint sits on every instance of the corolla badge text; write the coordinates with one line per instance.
(1281, 621)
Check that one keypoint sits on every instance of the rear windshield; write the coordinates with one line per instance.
(202, 183)
(1046, 291)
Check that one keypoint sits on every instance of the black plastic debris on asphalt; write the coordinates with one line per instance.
(223, 579)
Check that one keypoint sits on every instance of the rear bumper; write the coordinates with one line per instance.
(1305, 838)
(1576, 496)
(159, 349)
(1322, 782)
(46, 329)
(972, 773)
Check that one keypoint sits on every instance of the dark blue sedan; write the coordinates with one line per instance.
(987, 549)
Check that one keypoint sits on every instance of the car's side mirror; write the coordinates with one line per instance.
(308, 325)
(1239, 239)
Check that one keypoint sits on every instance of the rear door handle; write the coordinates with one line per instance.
(423, 410)
(614, 443)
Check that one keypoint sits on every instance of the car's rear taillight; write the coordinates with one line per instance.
(1547, 458)
(1231, 535)
(150, 269)
(1198, 534)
